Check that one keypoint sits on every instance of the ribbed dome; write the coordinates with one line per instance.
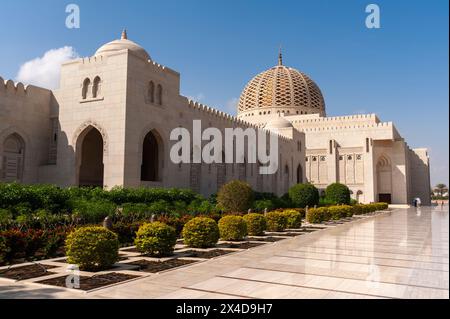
(282, 88)
(122, 44)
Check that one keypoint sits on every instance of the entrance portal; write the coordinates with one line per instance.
(91, 165)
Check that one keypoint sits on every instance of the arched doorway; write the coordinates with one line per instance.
(91, 158)
(299, 174)
(13, 158)
(151, 153)
(384, 180)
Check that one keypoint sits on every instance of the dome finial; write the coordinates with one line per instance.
(124, 35)
(280, 57)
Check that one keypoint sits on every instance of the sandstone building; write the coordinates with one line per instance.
(109, 125)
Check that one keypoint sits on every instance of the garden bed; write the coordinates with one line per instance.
(64, 260)
(158, 266)
(208, 254)
(284, 234)
(269, 239)
(26, 272)
(89, 283)
(243, 245)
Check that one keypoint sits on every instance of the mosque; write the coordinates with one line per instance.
(109, 124)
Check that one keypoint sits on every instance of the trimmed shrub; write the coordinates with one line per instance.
(156, 239)
(358, 209)
(276, 221)
(235, 197)
(256, 224)
(92, 248)
(201, 232)
(338, 193)
(336, 212)
(232, 228)
(317, 215)
(293, 218)
(303, 195)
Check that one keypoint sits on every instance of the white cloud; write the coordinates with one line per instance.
(231, 105)
(45, 71)
(198, 98)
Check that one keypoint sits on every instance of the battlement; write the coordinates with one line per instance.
(18, 89)
(98, 59)
(317, 119)
(232, 120)
(348, 127)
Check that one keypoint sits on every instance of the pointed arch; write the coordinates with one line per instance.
(97, 87)
(86, 88)
(13, 158)
(152, 155)
(90, 157)
(384, 179)
(151, 92)
(159, 94)
(299, 174)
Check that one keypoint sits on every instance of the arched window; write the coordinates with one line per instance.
(151, 152)
(299, 174)
(97, 87)
(151, 92)
(159, 93)
(86, 88)
(13, 158)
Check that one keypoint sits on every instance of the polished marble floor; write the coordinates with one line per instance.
(401, 254)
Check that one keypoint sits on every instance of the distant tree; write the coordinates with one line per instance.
(441, 189)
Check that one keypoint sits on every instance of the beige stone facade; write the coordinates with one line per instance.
(109, 124)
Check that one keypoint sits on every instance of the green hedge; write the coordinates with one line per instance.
(303, 195)
(156, 239)
(232, 228)
(276, 221)
(201, 232)
(256, 224)
(92, 248)
(338, 193)
(293, 218)
(235, 197)
(318, 215)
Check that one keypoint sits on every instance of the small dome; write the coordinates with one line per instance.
(122, 44)
(282, 88)
(278, 122)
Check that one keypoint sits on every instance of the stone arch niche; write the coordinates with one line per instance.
(221, 172)
(384, 179)
(195, 172)
(13, 158)
(90, 147)
(286, 178)
(152, 154)
(299, 174)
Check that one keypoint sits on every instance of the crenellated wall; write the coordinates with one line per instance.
(25, 111)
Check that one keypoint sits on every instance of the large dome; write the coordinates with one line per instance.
(122, 44)
(281, 89)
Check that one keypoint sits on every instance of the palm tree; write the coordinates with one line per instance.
(441, 189)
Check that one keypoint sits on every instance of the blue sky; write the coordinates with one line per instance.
(399, 71)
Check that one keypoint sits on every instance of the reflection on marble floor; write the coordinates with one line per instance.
(401, 254)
